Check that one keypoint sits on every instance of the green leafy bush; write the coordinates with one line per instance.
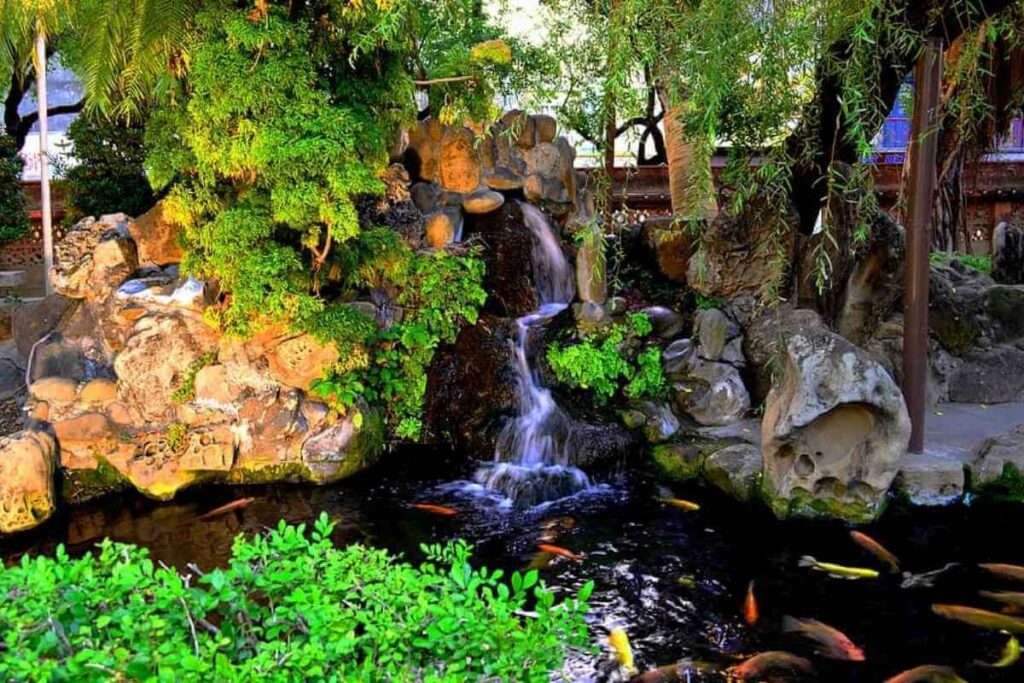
(979, 262)
(288, 607)
(109, 175)
(607, 363)
(13, 213)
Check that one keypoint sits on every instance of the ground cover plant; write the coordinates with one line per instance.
(289, 606)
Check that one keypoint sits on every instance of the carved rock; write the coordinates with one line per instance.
(27, 485)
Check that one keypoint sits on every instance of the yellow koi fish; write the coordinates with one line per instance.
(623, 651)
(681, 504)
(1011, 653)
(839, 571)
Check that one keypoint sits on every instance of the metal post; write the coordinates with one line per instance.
(923, 152)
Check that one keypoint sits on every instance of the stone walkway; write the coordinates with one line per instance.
(957, 430)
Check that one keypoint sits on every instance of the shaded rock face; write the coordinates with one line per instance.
(508, 246)
(1008, 254)
(671, 246)
(742, 255)
(927, 479)
(27, 485)
(834, 429)
(1000, 460)
(710, 393)
(157, 239)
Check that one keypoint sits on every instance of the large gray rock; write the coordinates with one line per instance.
(931, 478)
(1008, 254)
(710, 393)
(998, 458)
(834, 429)
(736, 470)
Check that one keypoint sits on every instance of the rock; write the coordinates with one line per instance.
(98, 391)
(736, 470)
(85, 427)
(742, 255)
(593, 445)
(675, 355)
(297, 361)
(1000, 462)
(679, 461)
(523, 127)
(546, 127)
(482, 201)
(733, 353)
(157, 239)
(671, 246)
(58, 359)
(1008, 254)
(993, 375)
(162, 352)
(957, 298)
(214, 383)
(764, 340)
(658, 421)
(542, 160)
(713, 329)
(666, 322)
(591, 278)
(443, 226)
(422, 155)
(503, 179)
(31, 322)
(533, 189)
(834, 430)
(27, 483)
(710, 393)
(426, 196)
(507, 255)
(93, 259)
(929, 478)
(12, 379)
(1004, 305)
(54, 389)
(459, 163)
(344, 449)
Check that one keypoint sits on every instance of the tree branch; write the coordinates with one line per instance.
(437, 81)
(29, 120)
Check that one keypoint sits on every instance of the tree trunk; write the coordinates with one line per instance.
(44, 166)
(691, 197)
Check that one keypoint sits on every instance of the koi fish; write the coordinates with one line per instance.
(1005, 571)
(773, 660)
(839, 571)
(681, 504)
(876, 549)
(435, 509)
(623, 651)
(750, 610)
(540, 561)
(1014, 601)
(927, 673)
(981, 618)
(832, 643)
(925, 579)
(560, 551)
(1009, 657)
(226, 508)
(687, 581)
(683, 670)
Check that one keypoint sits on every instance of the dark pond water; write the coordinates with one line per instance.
(674, 580)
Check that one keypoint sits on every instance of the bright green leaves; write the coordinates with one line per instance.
(288, 606)
(607, 362)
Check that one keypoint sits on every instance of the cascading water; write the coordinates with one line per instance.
(532, 458)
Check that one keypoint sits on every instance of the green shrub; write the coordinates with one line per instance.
(602, 362)
(288, 607)
(13, 212)
(979, 262)
(109, 175)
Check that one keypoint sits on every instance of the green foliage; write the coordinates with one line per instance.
(13, 213)
(606, 362)
(288, 606)
(979, 262)
(109, 175)
(436, 292)
(187, 391)
(176, 432)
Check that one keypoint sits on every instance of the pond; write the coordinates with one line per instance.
(674, 580)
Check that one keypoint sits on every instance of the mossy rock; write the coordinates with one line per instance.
(81, 486)
(1008, 488)
(683, 458)
(957, 336)
(806, 506)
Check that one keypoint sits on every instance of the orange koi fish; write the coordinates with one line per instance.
(226, 508)
(928, 673)
(560, 551)
(750, 610)
(981, 618)
(435, 509)
(1005, 571)
(774, 660)
(876, 549)
(832, 643)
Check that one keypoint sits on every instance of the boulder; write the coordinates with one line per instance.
(508, 257)
(1008, 254)
(710, 393)
(157, 239)
(764, 340)
(657, 420)
(54, 389)
(667, 323)
(98, 391)
(443, 226)
(835, 428)
(426, 196)
(713, 330)
(930, 478)
(345, 448)
(482, 201)
(742, 255)
(298, 360)
(459, 162)
(993, 375)
(32, 321)
(503, 180)
(58, 358)
(94, 258)
(423, 153)
(546, 127)
(736, 470)
(85, 427)
(591, 276)
(161, 355)
(671, 245)
(1000, 462)
(27, 483)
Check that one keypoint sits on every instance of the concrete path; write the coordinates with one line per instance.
(957, 430)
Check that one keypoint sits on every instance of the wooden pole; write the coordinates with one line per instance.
(44, 166)
(923, 152)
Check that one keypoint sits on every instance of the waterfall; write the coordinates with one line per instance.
(531, 462)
